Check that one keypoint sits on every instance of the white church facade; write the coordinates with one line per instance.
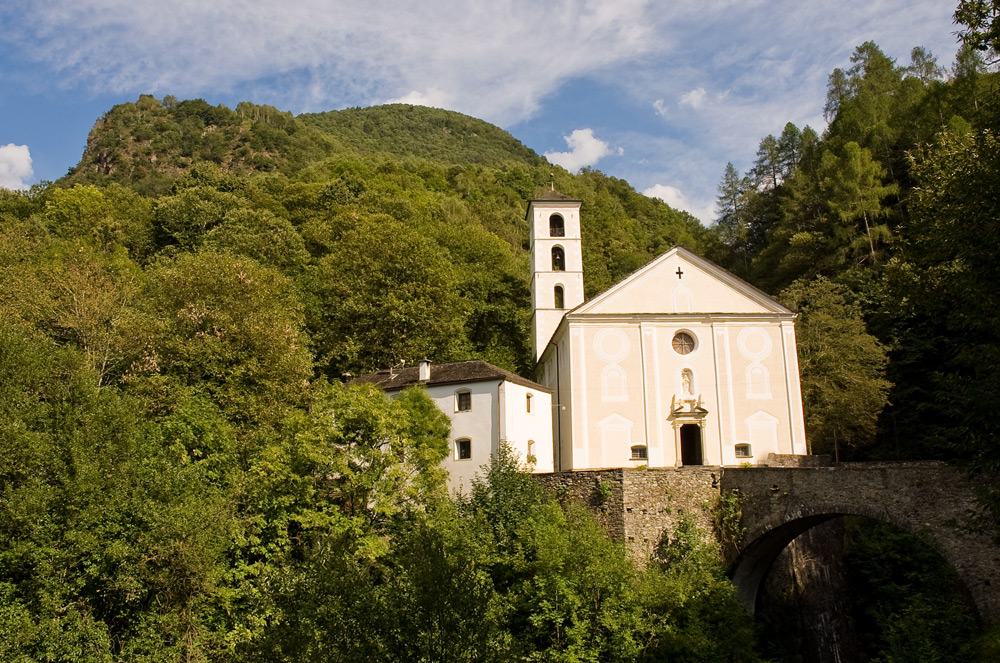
(681, 363)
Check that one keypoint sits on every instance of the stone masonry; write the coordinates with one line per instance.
(930, 500)
(640, 506)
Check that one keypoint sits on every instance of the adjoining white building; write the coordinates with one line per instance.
(680, 363)
(486, 405)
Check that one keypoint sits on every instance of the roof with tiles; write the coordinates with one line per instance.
(553, 195)
(455, 372)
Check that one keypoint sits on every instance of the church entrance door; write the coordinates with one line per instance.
(691, 444)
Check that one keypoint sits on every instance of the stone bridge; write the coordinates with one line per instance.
(930, 500)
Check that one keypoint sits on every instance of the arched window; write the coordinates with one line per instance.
(639, 452)
(558, 259)
(527, 403)
(743, 451)
(557, 227)
(531, 452)
(463, 449)
(560, 299)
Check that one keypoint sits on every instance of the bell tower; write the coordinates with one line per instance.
(556, 264)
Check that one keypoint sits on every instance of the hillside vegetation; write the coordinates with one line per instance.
(402, 227)
(419, 131)
(183, 475)
(893, 213)
(882, 233)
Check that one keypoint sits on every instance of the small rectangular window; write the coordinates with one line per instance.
(463, 449)
(528, 403)
(464, 401)
(743, 451)
(639, 452)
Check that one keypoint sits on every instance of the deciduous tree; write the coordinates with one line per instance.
(842, 367)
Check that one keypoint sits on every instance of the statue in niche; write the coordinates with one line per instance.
(687, 401)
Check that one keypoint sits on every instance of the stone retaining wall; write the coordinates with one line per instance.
(639, 506)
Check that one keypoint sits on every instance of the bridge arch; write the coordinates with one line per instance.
(931, 501)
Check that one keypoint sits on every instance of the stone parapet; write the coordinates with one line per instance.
(792, 460)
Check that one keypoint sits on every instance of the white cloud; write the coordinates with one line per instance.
(695, 98)
(433, 97)
(494, 60)
(585, 150)
(500, 60)
(673, 196)
(15, 166)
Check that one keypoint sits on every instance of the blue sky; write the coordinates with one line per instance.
(661, 94)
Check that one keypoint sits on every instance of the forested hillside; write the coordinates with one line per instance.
(402, 227)
(185, 478)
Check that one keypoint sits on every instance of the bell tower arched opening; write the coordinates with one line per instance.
(557, 226)
(558, 259)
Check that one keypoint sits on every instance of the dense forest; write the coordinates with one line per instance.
(890, 219)
(184, 475)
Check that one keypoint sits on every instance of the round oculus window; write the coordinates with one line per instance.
(683, 343)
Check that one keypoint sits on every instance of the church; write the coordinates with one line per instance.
(681, 363)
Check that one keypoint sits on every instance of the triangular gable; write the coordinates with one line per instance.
(702, 287)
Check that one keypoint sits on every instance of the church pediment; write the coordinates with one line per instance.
(680, 282)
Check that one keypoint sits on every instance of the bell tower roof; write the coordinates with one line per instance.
(554, 196)
(551, 198)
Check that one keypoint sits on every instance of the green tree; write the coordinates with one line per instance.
(767, 168)
(185, 217)
(101, 519)
(837, 90)
(842, 367)
(853, 189)
(385, 294)
(924, 66)
(906, 600)
(109, 216)
(981, 19)
(77, 294)
(731, 222)
(945, 304)
(229, 326)
(969, 78)
(374, 459)
(261, 235)
(791, 145)
(688, 603)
